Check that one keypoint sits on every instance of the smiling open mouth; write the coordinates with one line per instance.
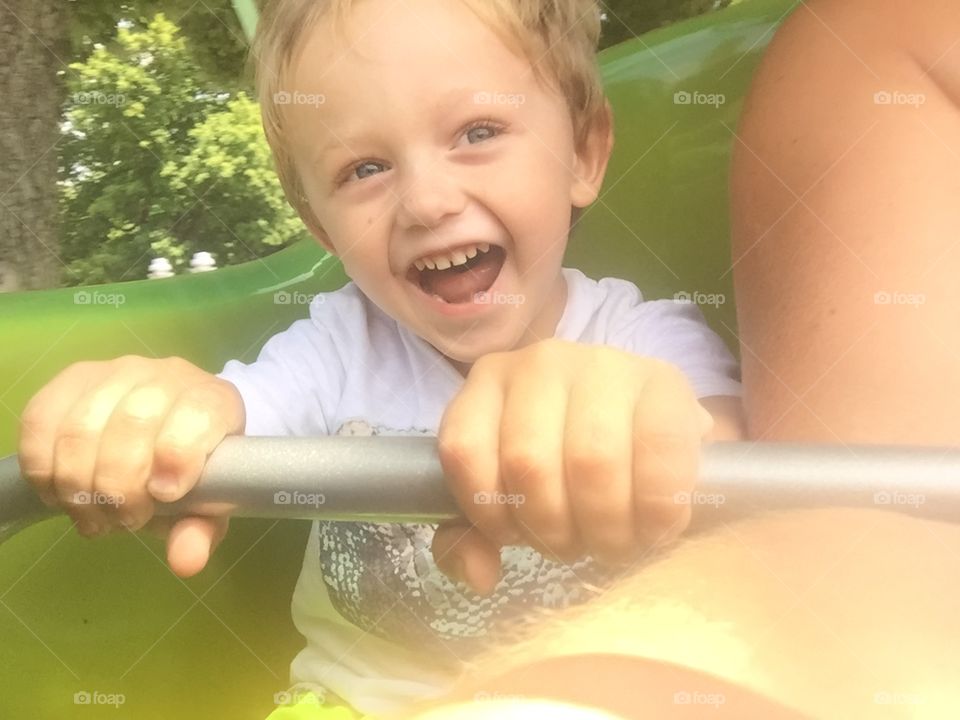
(459, 283)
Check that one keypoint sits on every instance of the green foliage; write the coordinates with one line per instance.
(156, 163)
(213, 34)
(230, 167)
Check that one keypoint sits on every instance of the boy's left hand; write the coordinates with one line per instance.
(572, 449)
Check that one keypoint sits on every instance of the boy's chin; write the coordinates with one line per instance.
(465, 354)
(462, 356)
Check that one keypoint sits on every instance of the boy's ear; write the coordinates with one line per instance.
(592, 158)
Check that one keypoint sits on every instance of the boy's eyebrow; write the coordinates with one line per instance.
(444, 101)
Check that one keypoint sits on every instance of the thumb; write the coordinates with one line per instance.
(464, 554)
(191, 541)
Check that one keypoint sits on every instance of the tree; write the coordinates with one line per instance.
(157, 162)
(32, 46)
(211, 29)
(130, 109)
(243, 213)
(38, 40)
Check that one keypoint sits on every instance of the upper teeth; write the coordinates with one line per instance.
(441, 261)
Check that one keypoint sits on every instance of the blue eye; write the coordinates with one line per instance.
(492, 129)
(486, 129)
(483, 131)
(360, 171)
(357, 171)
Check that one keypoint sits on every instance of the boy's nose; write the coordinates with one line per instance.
(428, 197)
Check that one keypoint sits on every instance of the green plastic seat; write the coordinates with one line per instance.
(107, 616)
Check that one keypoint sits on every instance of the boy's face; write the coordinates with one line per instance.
(429, 137)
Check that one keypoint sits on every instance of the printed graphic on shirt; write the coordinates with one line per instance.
(382, 578)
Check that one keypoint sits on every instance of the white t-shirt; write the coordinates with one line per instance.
(384, 627)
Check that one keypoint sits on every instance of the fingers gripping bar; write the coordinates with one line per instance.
(399, 479)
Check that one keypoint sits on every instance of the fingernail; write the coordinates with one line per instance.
(163, 487)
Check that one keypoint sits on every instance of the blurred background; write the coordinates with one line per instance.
(129, 133)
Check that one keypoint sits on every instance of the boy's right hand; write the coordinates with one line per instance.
(105, 439)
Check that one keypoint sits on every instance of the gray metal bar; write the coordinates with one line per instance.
(399, 479)
(744, 478)
(394, 479)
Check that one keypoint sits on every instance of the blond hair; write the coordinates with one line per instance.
(559, 38)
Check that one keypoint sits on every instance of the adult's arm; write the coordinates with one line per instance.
(846, 226)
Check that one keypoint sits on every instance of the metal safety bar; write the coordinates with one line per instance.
(399, 479)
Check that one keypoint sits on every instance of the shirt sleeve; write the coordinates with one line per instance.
(677, 333)
(293, 386)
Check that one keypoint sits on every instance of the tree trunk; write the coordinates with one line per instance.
(33, 50)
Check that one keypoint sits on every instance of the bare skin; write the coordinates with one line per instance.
(845, 226)
(828, 613)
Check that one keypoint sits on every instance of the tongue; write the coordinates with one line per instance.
(459, 285)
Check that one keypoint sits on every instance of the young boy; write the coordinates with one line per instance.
(440, 150)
